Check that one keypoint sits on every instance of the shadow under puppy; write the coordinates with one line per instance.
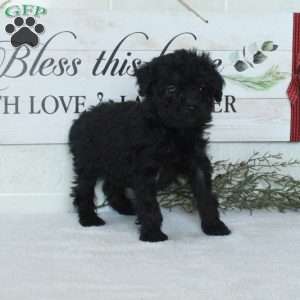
(144, 146)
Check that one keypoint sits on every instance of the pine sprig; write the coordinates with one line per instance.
(257, 183)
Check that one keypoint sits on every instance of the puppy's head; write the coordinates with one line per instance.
(182, 87)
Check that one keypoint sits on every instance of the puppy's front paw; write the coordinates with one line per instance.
(217, 228)
(153, 236)
(91, 220)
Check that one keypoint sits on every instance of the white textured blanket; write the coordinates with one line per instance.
(50, 257)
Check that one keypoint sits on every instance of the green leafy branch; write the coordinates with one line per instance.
(257, 183)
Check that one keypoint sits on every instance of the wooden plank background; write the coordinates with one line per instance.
(260, 115)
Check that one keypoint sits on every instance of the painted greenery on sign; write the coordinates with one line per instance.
(251, 56)
(260, 83)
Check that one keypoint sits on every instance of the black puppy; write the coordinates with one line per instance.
(142, 146)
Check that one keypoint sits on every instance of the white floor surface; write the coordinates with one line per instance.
(50, 257)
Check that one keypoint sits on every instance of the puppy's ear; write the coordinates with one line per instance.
(144, 79)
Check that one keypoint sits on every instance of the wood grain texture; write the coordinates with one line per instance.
(46, 105)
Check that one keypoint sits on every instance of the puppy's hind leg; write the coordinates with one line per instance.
(83, 193)
(117, 199)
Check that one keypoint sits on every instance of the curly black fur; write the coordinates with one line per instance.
(145, 146)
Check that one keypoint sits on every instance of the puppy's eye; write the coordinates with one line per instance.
(171, 89)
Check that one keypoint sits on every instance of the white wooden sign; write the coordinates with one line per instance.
(84, 57)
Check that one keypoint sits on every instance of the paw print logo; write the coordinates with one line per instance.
(24, 32)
